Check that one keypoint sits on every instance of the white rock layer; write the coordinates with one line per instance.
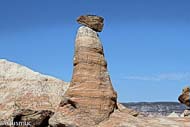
(20, 87)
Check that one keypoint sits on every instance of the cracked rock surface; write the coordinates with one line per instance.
(22, 88)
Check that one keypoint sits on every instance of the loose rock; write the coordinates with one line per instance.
(27, 117)
(92, 21)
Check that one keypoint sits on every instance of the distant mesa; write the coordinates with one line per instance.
(92, 21)
(157, 109)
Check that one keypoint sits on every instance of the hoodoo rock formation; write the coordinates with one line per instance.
(90, 101)
(91, 86)
(90, 94)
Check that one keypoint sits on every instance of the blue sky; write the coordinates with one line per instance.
(146, 42)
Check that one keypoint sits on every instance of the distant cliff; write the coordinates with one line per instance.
(157, 108)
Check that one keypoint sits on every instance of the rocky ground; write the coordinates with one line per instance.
(89, 100)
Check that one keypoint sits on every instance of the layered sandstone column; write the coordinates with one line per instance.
(91, 88)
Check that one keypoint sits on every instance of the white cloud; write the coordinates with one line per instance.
(185, 76)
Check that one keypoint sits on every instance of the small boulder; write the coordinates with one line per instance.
(186, 113)
(92, 21)
(27, 117)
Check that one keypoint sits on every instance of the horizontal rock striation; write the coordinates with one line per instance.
(91, 87)
(90, 96)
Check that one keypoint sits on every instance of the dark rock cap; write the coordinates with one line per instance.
(184, 98)
(92, 21)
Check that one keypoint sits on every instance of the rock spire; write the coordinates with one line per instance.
(90, 96)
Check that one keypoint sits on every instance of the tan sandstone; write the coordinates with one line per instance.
(92, 97)
(90, 100)
(22, 88)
